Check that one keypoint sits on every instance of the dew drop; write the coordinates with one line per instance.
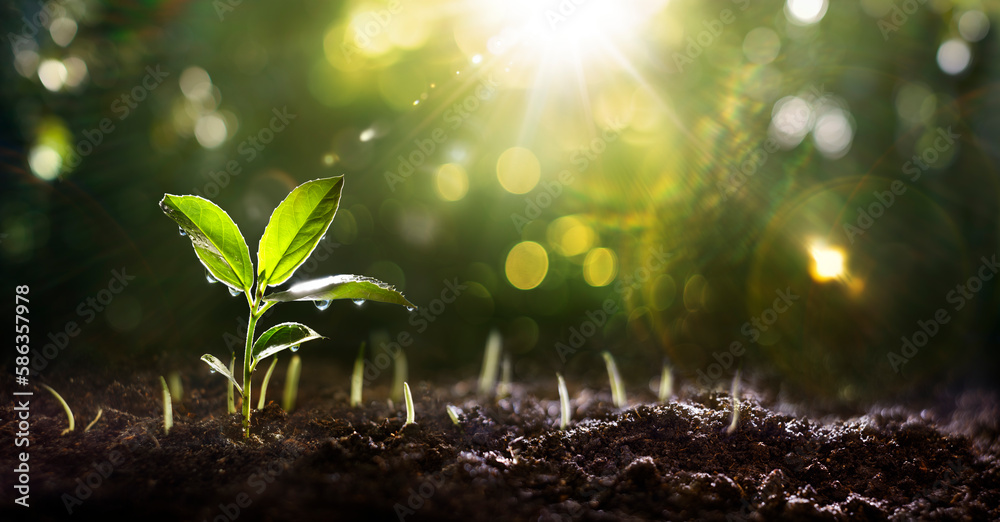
(181, 232)
(234, 292)
(359, 302)
(411, 308)
(210, 278)
(211, 370)
(294, 348)
(322, 305)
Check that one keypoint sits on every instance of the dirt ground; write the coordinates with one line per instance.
(506, 460)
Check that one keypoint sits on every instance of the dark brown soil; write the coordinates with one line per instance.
(506, 460)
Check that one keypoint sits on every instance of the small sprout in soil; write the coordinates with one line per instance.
(617, 386)
(666, 382)
(230, 398)
(410, 415)
(176, 387)
(168, 410)
(358, 377)
(735, 393)
(97, 418)
(491, 360)
(563, 403)
(453, 413)
(69, 412)
(400, 370)
(291, 383)
(262, 401)
(294, 230)
(505, 379)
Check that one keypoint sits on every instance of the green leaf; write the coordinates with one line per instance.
(217, 366)
(295, 228)
(278, 338)
(342, 287)
(216, 239)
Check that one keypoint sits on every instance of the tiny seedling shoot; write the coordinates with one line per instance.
(564, 411)
(617, 386)
(295, 228)
(168, 410)
(69, 412)
(411, 418)
(291, 392)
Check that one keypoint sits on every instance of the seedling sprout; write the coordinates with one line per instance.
(98, 417)
(563, 403)
(168, 410)
(666, 382)
(69, 412)
(291, 383)
(491, 362)
(617, 386)
(400, 370)
(453, 413)
(294, 230)
(735, 393)
(262, 401)
(410, 415)
(358, 377)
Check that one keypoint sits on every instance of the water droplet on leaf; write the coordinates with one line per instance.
(210, 278)
(181, 232)
(411, 308)
(211, 370)
(359, 302)
(234, 291)
(294, 348)
(322, 305)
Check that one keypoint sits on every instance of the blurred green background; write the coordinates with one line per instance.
(812, 180)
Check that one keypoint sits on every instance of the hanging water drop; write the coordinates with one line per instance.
(322, 305)
(210, 370)
(210, 278)
(234, 291)
(294, 348)
(359, 302)
(411, 308)
(181, 232)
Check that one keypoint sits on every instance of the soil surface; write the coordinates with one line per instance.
(506, 460)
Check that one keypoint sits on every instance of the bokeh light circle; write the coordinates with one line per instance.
(452, 182)
(600, 267)
(518, 170)
(527, 264)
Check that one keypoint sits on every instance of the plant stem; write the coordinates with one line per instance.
(251, 325)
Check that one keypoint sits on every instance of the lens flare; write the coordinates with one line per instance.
(828, 262)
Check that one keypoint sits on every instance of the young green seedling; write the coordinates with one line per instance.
(230, 398)
(176, 387)
(400, 369)
(291, 384)
(168, 410)
(97, 418)
(453, 413)
(734, 391)
(410, 415)
(666, 382)
(358, 377)
(69, 412)
(295, 228)
(263, 385)
(563, 403)
(505, 377)
(617, 386)
(491, 362)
